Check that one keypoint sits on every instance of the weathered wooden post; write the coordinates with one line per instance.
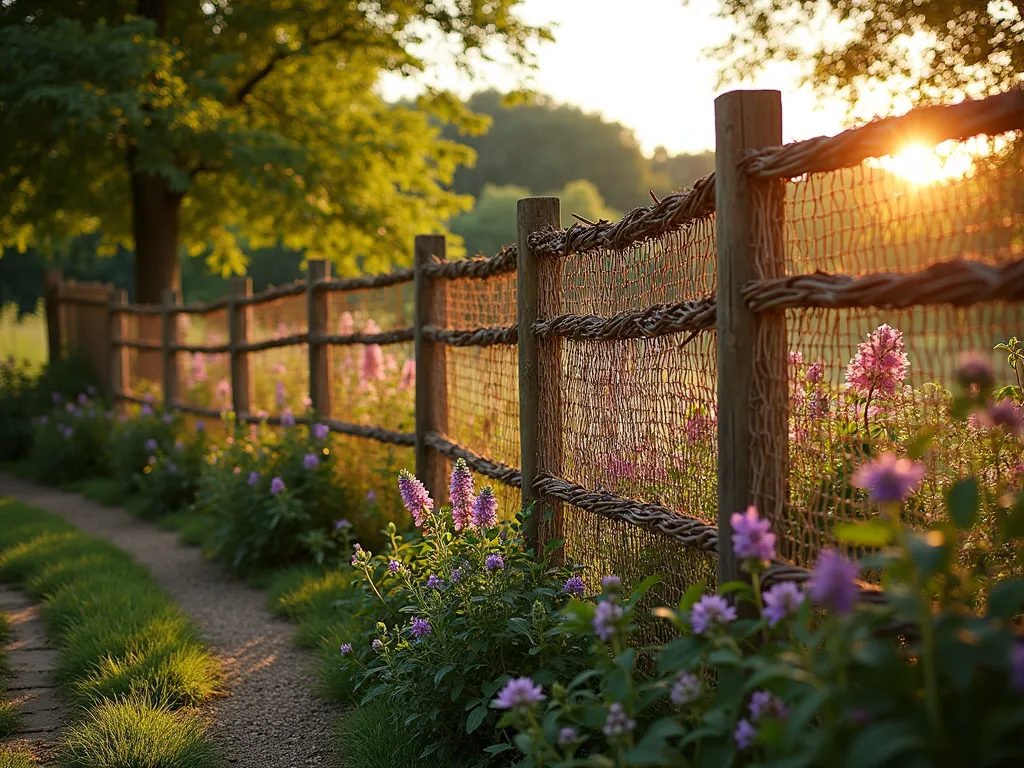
(431, 367)
(747, 120)
(240, 321)
(168, 344)
(120, 355)
(52, 281)
(540, 416)
(318, 317)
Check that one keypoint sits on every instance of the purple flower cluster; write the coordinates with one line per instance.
(1004, 415)
(279, 395)
(342, 525)
(711, 612)
(151, 445)
(394, 566)
(421, 627)
(880, 365)
(888, 479)
(611, 585)
(519, 692)
(254, 477)
(434, 581)
(752, 538)
(485, 510)
(574, 586)
(276, 486)
(833, 582)
(287, 418)
(815, 371)
(618, 722)
(310, 461)
(320, 431)
(606, 616)
(346, 649)
(782, 600)
(686, 689)
(461, 494)
(763, 704)
(494, 562)
(567, 736)
(974, 372)
(414, 496)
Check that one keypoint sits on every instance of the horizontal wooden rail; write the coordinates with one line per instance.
(495, 470)
(198, 410)
(476, 267)
(213, 349)
(141, 309)
(657, 320)
(379, 434)
(91, 301)
(396, 336)
(364, 282)
(128, 397)
(151, 346)
(477, 337)
(272, 294)
(284, 341)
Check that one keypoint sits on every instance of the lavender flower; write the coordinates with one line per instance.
(606, 615)
(461, 494)
(815, 371)
(888, 479)
(744, 734)
(394, 566)
(711, 612)
(566, 736)
(168, 418)
(421, 627)
(832, 582)
(414, 496)
(254, 477)
(342, 525)
(371, 496)
(456, 576)
(618, 722)
(1004, 415)
(494, 562)
(82, 398)
(767, 704)
(611, 585)
(880, 365)
(434, 581)
(574, 586)
(1017, 667)
(279, 395)
(310, 461)
(320, 431)
(151, 444)
(752, 538)
(200, 426)
(519, 692)
(377, 645)
(974, 372)
(782, 600)
(485, 510)
(276, 486)
(146, 410)
(346, 649)
(686, 689)
(287, 418)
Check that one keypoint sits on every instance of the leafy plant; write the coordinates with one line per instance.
(70, 442)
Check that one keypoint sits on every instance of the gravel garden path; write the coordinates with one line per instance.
(270, 718)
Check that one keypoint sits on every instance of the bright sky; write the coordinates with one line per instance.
(641, 63)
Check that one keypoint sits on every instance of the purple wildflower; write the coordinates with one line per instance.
(752, 537)
(434, 581)
(1004, 415)
(320, 431)
(254, 477)
(611, 585)
(880, 365)
(371, 496)
(342, 525)
(461, 494)
(815, 371)
(421, 627)
(767, 704)
(618, 722)
(574, 586)
(744, 734)
(67, 431)
(519, 692)
(494, 562)
(974, 372)
(200, 426)
(889, 479)
(456, 576)
(606, 615)
(287, 418)
(832, 582)
(82, 398)
(168, 418)
(782, 600)
(414, 496)
(91, 390)
(146, 410)
(151, 444)
(485, 510)
(1017, 667)
(710, 612)
(310, 461)
(567, 736)
(686, 689)
(276, 486)
(394, 566)
(346, 649)
(69, 407)
(377, 645)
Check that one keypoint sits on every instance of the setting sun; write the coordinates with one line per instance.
(921, 164)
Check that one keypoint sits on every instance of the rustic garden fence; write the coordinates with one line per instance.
(646, 378)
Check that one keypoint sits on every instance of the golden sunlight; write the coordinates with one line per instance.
(921, 164)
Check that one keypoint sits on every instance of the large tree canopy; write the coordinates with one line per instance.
(216, 123)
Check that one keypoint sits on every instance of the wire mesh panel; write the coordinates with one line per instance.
(145, 366)
(638, 415)
(206, 376)
(281, 373)
(867, 379)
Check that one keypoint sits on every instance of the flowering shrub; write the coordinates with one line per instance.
(70, 442)
(809, 674)
(170, 480)
(273, 497)
(139, 433)
(450, 617)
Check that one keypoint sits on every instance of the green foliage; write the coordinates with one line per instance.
(169, 480)
(140, 432)
(260, 122)
(8, 712)
(17, 759)
(968, 53)
(70, 443)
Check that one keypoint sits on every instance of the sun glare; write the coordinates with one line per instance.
(921, 164)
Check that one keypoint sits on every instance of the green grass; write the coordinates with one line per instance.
(128, 657)
(8, 715)
(102, 490)
(23, 339)
(19, 759)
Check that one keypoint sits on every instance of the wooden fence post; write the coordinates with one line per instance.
(318, 316)
(431, 368)
(743, 120)
(52, 280)
(240, 362)
(169, 324)
(120, 356)
(539, 409)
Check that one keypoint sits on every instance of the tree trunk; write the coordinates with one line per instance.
(156, 212)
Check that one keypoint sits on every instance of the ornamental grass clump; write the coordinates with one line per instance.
(453, 615)
(810, 674)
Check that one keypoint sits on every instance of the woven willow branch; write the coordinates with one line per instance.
(673, 212)
(492, 469)
(284, 341)
(212, 349)
(280, 292)
(926, 125)
(960, 282)
(651, 517)
(478, 267)
(363, 282)
(379, 434)
(479, 337)
(385, 337)
(658, 320)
